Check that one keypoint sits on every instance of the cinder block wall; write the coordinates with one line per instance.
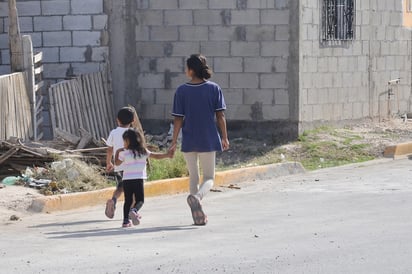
(246, 43)
(349, 81)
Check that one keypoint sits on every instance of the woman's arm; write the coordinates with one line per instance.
(177, 125)
(221, 123)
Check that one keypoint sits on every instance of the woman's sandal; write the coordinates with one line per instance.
(199, 217)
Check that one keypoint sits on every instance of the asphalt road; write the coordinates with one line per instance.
(351, 219)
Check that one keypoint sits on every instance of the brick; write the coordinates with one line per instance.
(48, 23)
(28, 8)
(164, 33)
(194, 33)
(193, 4)
(244, 80)
(164, 5)
(265, 96)
(207, 17)
(72, 54)
(275, 17)
(87, 7)
(57, 38)
(178, 17)
(215, 48)
(259, 64)
(219, 4)
(245, 17)
(55, 7)
(260, 33)
(100, 22)
(229, 64)
(77, 22)
(150, 17)
(84, 38)
(273, 80)
(245, 49)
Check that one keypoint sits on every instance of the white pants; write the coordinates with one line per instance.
(207, 164)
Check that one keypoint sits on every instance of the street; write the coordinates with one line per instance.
(349, 219)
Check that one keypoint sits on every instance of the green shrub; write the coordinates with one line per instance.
(167, 168)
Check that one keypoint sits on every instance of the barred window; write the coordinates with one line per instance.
(338, 20)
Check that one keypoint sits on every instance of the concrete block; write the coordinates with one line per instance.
(86, 7)
(4, 9)
(84, 38)
(264, 96)
(150, 49)
(25, 23)
(245, 17)
(177, 80)
(164, 96)
(174, 64)
(238, 113)
(281, 64)
(193, 4)
(184, 49)
(244, 80)
(233, 96)
(4, 41)
(215, 48)
(259, 64)
(229, 64)
(55, 7)
(154, 112)
(276, 112)
(148, 96)
(150, 17)
(283, 4)
(194, 33)
(55, 70)
(100, 54)
(281, 97)
(261, 4)
(5, 57)
(100, 22)
(82, 68)
(142, 33)
(222, 33)
(222, 79)
(48, 23)
(273, 80)
(207, 17)
(57, 38)
(50, 54)
(260, 33)
(219, 4)
(274, 17)
(245, 49)
(72, 54)
(178, 17)
(4, 69)
(164, 33)
(150, 80)
(282, 32)
(28, 8)
(164, 5)
(276, 48)
(77, 22)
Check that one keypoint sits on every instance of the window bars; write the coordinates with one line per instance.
(338, 20)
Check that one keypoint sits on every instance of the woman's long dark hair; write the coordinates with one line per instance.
(136, 142)
(197, 63)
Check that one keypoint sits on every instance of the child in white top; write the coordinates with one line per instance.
(133, 160)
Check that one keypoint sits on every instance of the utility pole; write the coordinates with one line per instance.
(15, 39)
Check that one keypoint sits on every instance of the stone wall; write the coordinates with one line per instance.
(246, 43)
(349, 80)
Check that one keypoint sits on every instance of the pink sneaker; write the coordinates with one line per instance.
(135, 217)
(129, 224)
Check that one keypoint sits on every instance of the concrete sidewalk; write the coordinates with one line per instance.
(163, 187)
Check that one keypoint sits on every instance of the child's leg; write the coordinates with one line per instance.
(193, 168)
(128, 199)
(207, 162)
(139, 195)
